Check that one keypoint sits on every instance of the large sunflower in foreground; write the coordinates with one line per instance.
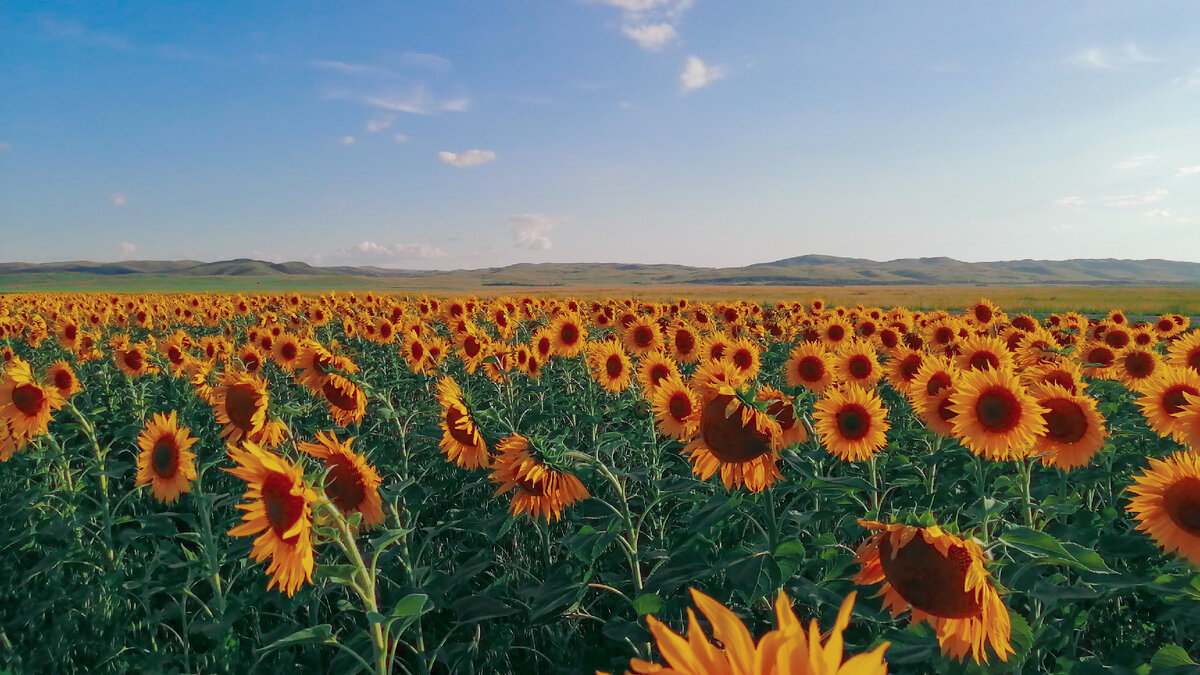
(461, 440)
(165, 462)
(943, 579)
(1074, 428)
(994, 416)
(539, 490)
(25, 403)
(1167, 503)
(737, 440)
(1184, 352)
(281, 509)
(790, 649)
(1163, 397)
(352, 484)
(852, 423)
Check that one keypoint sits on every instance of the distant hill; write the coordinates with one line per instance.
(806, 270)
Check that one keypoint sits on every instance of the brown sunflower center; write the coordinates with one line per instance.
(685, 342)
(288, 351)
(241, 402)
(1066, 421)
(1173, 399)
(859, 366)
(811, 368)
(680, 406)
(944, 411)
(134, 359)
(1181, 501)
(339, 397)
(1101, 355)
(613, 366)
(1139, 364)
(743, 359)
(175, 355)
(836, 333)
(937, 383)
(983, 313)
(998, 410)
(471, 346)
(63, 380)
(930, 581)
(1193, 359)
(784, 413)
(164, 457)
(70, 332)
(1165, 325)
(853, 422)
(418, 351)
(1116, 338)
(534, 488)
(909, 366)
(462, 435)
(727, 438)
(659, 372)
(643, 336)
(282, 507)
(944, 335)
(983, 360)
(250, 360)
(543, 346)
(29, 399)
(716, 351)
(344, 484)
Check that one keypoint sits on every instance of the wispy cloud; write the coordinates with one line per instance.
(379, 123)
(698, 74)
(125, 250)
(1134, 162)
(357, 69)
(466, 159)
(532, 230)
(638, 8)
(400, 138)
(1188, 170)
(345, 141)
(76, 33)
(416, 101)
(118, 199)
(1147, 197)
(1072, 202)
(652, 37)
(1064, 227)
(1111, 58)
(400, 251)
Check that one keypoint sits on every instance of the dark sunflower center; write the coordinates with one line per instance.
(175, 355)
(164, 457)
(282, 507)
(889, 338)
(685, 342)
(288, 351)
(859, 366)
(909, 366)
(998, 410)
(659, 372)
(134, 359)
(680, 406)
(784, 413)
(931, 582)
(984, 361)
(811, 368)
(937, 383)
(345, 484)
(536, 489)
(1102, 355)
(944, 411)
(543, 346)
(613, 366)
(471, 346)
(1116, 338)
(462, 436)
(1165, 325)
(983, 313)
(1065, 421)
(1062, 379)
(418, 351)
(716, 352)
(250, 360)
(643, 336)
(1193, 359)
(836, 333)
(943, 335)
(338, 396)
(1139, 365)
(1181, 501)
(63, 380)
(853, 422)
(70, 332)
(29, 399)
(727, 438)
(913, 341)
(743, 359)
(241, 402)
(1173, 398)
(866, 329)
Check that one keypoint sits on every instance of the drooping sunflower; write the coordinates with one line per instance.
(1166, 503)
(62, 378)
(347, 401)
(165, 462)
(809, 365)
(995, 417)
(352, 484)
(461, 441)
(943, 579)
(281, 509)
(1137, 366)
(316, 362)
(852, 422)
(609, 365)
(1074, 428)
(790, 649)
(857, 363)
(1163, 397)
(675, 405)
(25, 404)
(782, 408)
(240, 402)
(737, 440)
(539, 490)
(1184, 352)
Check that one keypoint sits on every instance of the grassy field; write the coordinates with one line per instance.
(1035, 299)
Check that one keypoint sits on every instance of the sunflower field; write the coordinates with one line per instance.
(363, 482)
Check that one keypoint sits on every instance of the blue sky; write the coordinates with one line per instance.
(704, 132)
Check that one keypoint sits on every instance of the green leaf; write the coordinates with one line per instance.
(1171, 656)
(648, 603)
(412, 604)
(1047, 550)
(318, 635)
(338, 574)
(480, 607)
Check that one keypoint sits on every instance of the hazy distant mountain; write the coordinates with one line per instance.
(806, 270)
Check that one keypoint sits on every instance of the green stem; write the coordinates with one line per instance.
(90, 432)
(364, 586)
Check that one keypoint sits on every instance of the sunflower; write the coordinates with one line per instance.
(834, 331)
(1097, 360)
(783, 408)
(165, 462)
(25, 405)
(281, 508)
(738, 440)
(712, 376)
(316, 362)
(809, 365)
(351, 484)
(134, 360)
(743, 355)
(713, 347)
(461, 440)
(61, 378)
(642, 336)
(682, 342)
(902, 368)
(653, 369)
(609, 365)
(1163, 397)
(1167, 503)
(1137, 366)
(943, 579)
(852, 423)
(540, 490)
(1184, 352)
(347, 402)
(542, 345)
(1065, 374)
(240, 403)
(994, 415)
(985, 313)
(472, 348)
(857, 363)
(790, 649)
(250, 357)
(1074, 428)
(286, 352)
(983, 352)
(675, 405)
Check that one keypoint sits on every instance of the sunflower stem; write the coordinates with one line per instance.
(90, 432)
(873, 468)
(1025, 467)
(364, 586)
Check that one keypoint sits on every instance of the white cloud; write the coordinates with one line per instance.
(1188, 170)
(346, 140)
(1134, 162)
(532, 230)
(380, 122)
(125, 250)
(345, 68)
(400, 138)
(118, 199)
(466, 159)
(697, 74)
(1147, 197)
(652, 36)
(637, 8)
(1072, 202)
(1111, 58)
(400, 251)
(1159, 213)
(417, 101)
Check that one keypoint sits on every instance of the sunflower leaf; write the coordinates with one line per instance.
(321, 634)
